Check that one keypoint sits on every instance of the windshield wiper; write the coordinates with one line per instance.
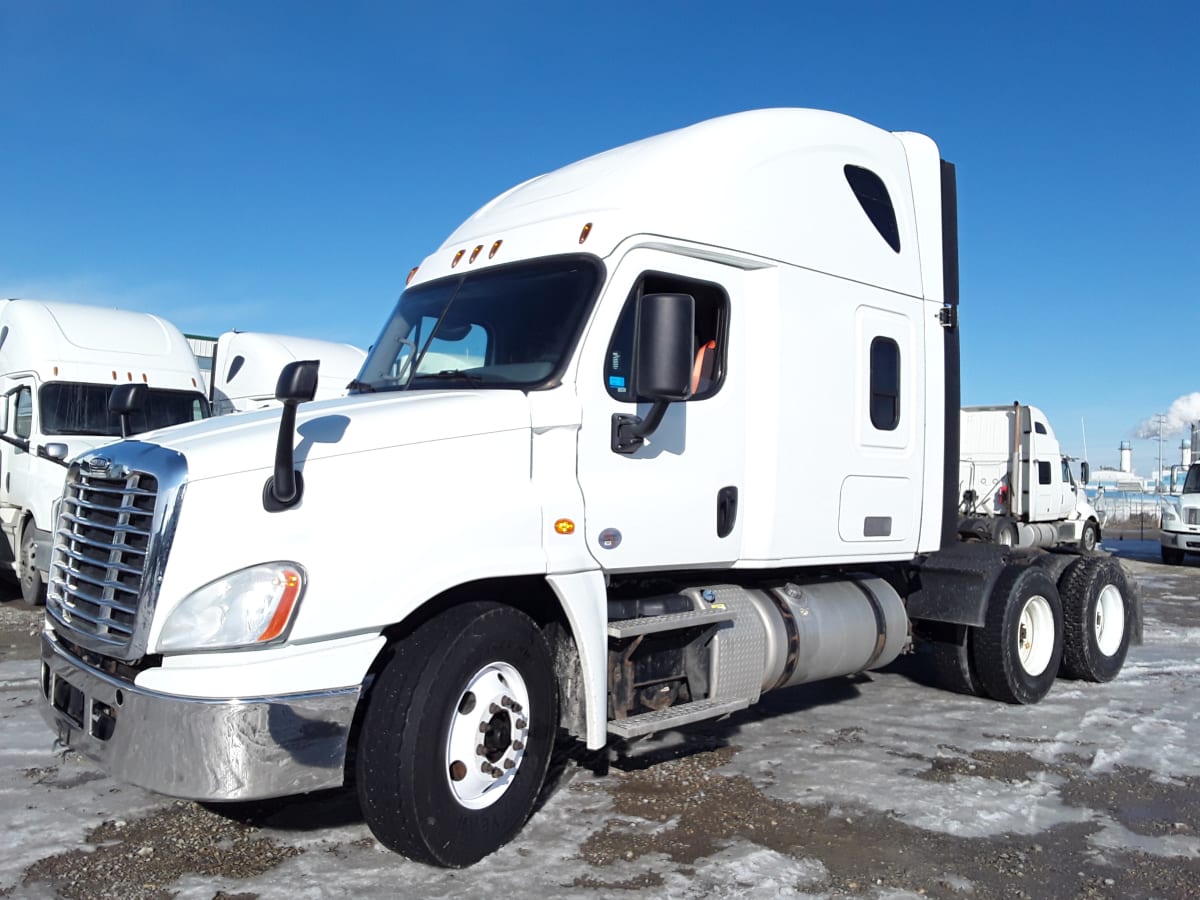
(470, 378)
(361, 386)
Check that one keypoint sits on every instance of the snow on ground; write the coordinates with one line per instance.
(885, 743)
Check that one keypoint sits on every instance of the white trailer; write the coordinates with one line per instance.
(1016, 487)
(246, 367)
(646, 437)
(59, 362)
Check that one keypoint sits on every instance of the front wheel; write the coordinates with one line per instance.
(1172, 556)
(457, 735)
(33, 590)
(1090, 537)
(1097, 619)
(1017, 651)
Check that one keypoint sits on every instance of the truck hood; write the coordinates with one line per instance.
(243, 442)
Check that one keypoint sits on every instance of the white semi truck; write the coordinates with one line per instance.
(246, 367)
(1180, 535)
(59, 363)
(1015, 485)
(646, 437)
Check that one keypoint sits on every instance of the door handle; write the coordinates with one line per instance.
(727, 503)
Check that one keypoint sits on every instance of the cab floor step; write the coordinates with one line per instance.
(623, 628)
(674, 716)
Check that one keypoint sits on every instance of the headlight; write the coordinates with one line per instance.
(1170, 515)
(251, 607)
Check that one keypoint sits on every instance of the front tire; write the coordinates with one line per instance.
(1172, 556)
(457, 735)
(1090, 538)
(1097, 619)
(33, 589)
(1018, 650)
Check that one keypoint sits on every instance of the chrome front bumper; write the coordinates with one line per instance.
(194, 748)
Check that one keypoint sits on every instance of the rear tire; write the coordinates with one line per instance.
(1005, 535)
(33, 589)
(457, 735)
(1172, 556)
(1018, 650)
(952, 662)
(1097, 619)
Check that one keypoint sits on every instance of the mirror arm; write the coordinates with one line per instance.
(629, 433)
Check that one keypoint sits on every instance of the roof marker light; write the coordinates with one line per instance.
(411, 273)
(457, 257)
(145, 379)
(475, 253)
(114, 374)
(495, 247)
(56, 370)
(583, 235)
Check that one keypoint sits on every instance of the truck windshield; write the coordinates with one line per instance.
(72, 408)
(509, 326)
(1192, 484)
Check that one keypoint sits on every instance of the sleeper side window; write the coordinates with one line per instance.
(873, 197)
(1043, 472)
(885, 383)
(708, 343)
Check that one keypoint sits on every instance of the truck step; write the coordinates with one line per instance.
(624, 628)
(674, 716)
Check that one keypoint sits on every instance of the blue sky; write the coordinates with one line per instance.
(281, 166)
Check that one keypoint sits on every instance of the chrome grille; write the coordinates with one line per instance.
(101, 548)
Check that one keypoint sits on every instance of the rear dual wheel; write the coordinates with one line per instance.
(457, 735)
(1098, 619)
(1016, 653)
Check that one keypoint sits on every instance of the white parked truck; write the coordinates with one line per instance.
(246, 367)
(1015, 485)
(1180, 535)
(646, 437)
(59, 363)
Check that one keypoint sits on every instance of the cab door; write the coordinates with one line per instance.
(1048, 491)
(677, 500)
(16, 459)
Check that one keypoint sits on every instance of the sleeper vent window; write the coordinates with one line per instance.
(885, 384)
(873, 196)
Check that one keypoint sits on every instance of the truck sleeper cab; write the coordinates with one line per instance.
(59, 364)
(601, 483)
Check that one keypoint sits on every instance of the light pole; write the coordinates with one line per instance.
(1161, 417)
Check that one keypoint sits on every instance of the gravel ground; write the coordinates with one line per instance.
(875, 786)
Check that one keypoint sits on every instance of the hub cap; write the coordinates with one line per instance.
(1109, 624)
(1035, 635)
(489, 734)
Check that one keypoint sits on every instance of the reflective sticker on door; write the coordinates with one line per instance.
(610, 538)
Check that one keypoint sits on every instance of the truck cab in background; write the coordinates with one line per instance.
(1015, 485)
(246, 367)
(1180, 535)
(59, 363)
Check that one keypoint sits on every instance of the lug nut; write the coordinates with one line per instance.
(518, 745)
(506, 701)
(494, 709)
(522, 724)
(508, 764)
(480, 750)
(483, 727)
